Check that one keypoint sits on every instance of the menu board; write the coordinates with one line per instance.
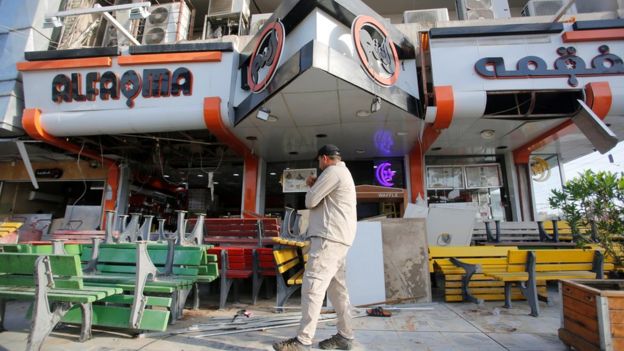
(294, 180)
(445, 177)
(483, 176)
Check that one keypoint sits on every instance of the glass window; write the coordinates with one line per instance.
(545, 176)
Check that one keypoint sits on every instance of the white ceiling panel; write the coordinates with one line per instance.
(310, 109)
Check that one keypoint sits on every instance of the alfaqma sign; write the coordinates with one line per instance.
(151, 83)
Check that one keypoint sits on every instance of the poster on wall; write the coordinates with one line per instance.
(483, 176)
(294, 180)
(447, 177)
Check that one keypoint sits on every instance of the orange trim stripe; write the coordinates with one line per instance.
(580, 36)
(598, 98)
(67, 63)
(208, 56)
(445, 103)
(31, 121)
(214, 123)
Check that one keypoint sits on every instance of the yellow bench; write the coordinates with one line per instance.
(527, 268)
(290, 261)
(8, 232)
(464, 269)
(562, 231)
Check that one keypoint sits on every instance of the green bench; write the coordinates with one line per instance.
(49, 280)
(162, 275)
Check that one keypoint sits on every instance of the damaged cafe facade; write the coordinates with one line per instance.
(463, 116)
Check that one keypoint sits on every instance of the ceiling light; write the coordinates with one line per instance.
(488, 134)
(166, 176)
(502, 147)
(321, 135)
(359, 151)
(402, 133)
(236, 174)
(263, 113)
(273, 173)
(375, 166)
(375, 104)
(200, 175)
(363, 113)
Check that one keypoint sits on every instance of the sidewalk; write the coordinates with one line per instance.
(446, 327)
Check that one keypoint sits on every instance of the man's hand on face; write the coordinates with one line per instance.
(310, 180)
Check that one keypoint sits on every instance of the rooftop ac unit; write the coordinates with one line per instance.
(546, 8)
(222, 7)
(427, 18)
(166, 23)
(485, 9)
(257, 21)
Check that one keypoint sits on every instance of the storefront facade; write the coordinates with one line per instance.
(455, 116)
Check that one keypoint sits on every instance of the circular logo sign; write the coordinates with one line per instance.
(266, 57)
(540, 169)
(376, 50)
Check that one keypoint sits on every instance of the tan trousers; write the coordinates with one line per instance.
(324, 271)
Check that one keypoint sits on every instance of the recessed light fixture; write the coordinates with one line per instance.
(215, 183)
(251, 137)
(375, 166)
(200, 175)
(436, 149)
(488, 134)
(272, 173)
(502, 147)
(363, 113)
(166, 176)
(272, 118)
(236, 174)
(401, 133)
(321, 135)
(293, 153)
(359, 151)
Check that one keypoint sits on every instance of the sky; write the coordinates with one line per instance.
(596, 162)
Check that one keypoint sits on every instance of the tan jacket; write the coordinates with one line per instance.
(331, 201)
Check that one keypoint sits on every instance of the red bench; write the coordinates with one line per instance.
(80, 236)
(264, 266)
(252, 232)
(235, 263)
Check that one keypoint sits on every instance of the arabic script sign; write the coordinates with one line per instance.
(376, 50)
(266, 57)
(567, 65)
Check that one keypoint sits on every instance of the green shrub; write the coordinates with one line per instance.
(598, 199)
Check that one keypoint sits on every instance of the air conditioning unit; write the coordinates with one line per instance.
(485, 9)
(257, 21)
(112, 37)
(222, 7)
(426, 18)
(166, 23)
(546, 8)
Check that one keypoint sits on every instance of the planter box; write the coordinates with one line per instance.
(592, 315)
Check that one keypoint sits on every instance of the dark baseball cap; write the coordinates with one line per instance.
(328, 150)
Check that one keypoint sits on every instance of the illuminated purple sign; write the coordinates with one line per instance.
(384, 174)
(384, 141)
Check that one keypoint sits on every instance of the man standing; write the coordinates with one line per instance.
(332, 226)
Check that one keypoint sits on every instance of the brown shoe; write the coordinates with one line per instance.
(336, 342)
(290, 345)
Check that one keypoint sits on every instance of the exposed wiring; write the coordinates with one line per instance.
(84, 183)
